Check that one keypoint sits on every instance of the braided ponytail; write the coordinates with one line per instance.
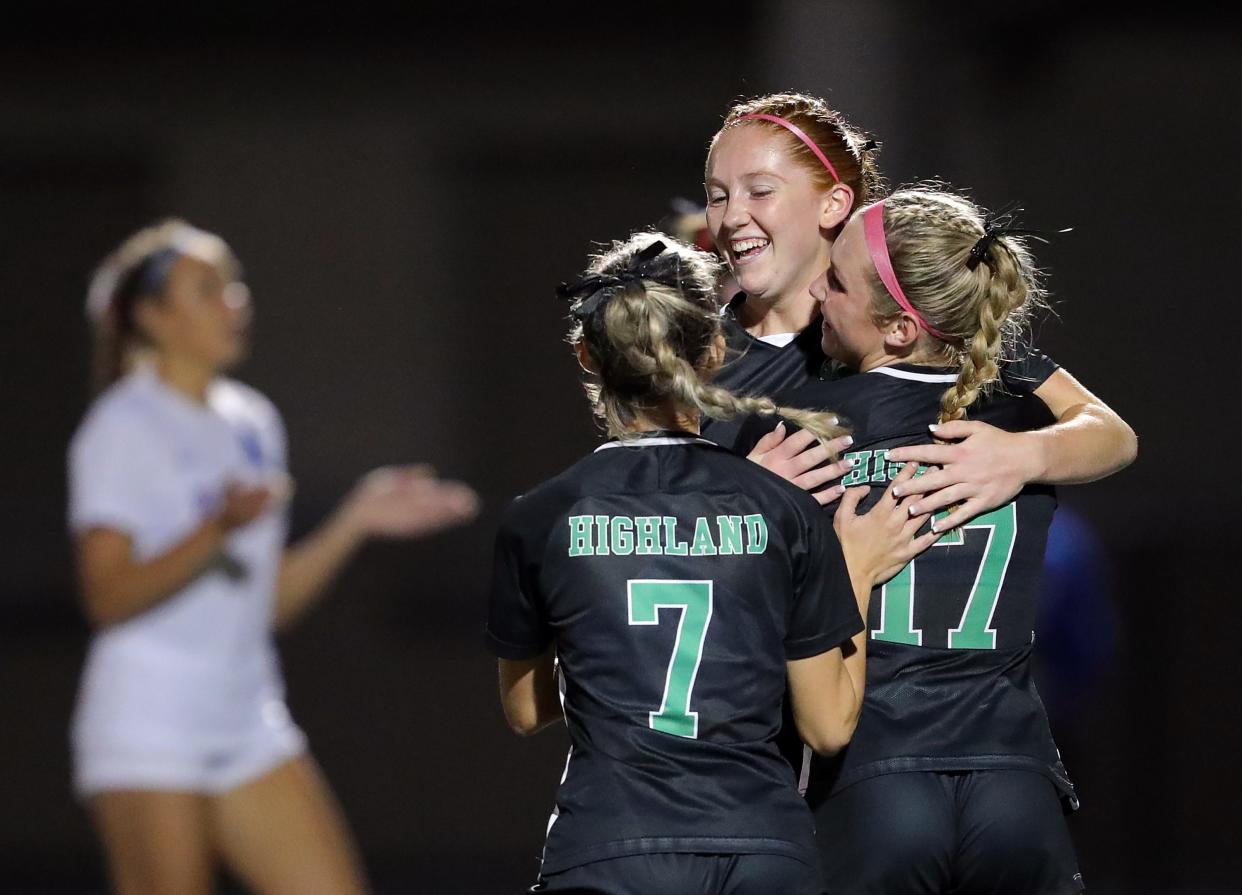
(653, 337)
(981, 309)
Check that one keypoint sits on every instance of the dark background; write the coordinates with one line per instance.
(405, 188)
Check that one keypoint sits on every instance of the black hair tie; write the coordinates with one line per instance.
(1003, 225)
(595, 289)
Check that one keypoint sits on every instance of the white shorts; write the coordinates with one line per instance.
(130, 759)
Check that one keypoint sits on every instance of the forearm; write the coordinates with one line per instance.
(1088, 442)
(854, 661)
(127, 589)
(529, 693)
(310, 565)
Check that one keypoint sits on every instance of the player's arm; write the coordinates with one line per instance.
(826, 690)
(115, 586)
(985, 467)
(528, 692)
(826, 698)
(397, 502)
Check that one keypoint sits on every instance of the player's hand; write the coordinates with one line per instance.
(243, 504)
(983, 468)
(795, 458)
(879, 543)
(408, 502)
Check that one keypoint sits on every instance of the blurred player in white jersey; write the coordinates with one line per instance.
(183, 747)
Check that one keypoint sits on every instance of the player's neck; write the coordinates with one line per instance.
(666, 418)
(883, 358)
(185, 376)
(769, 316)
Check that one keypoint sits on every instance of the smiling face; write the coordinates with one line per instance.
(201, 316)
(765, 213)
(850, 332)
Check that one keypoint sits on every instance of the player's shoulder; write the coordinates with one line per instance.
(238, 401)
(1026, 369)
(749, 478)
(119, 413)
(544, 501)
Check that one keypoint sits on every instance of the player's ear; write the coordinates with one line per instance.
(584, 358)
(901, 332)
(715, 356)
(836, 206)
(149, 319)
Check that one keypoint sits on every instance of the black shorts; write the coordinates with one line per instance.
(670, 873)
(962, 832)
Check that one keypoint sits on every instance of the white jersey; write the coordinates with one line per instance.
(199, 666)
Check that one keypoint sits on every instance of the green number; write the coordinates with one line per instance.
(897, 610)
(975, 630)
(694, 599)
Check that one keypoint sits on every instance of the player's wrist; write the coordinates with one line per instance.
(1034, 456)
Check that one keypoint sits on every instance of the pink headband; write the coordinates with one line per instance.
(877, 246)
(800, 134)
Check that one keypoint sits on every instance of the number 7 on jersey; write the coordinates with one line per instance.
(694, 599)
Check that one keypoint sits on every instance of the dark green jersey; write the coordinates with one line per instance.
(674, 579)
(949, 683)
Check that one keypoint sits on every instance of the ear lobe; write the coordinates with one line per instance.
(715, 355)
(902, 333)
(838, 204)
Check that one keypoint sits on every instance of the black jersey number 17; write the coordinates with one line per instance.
(694, 598)
(975, 630)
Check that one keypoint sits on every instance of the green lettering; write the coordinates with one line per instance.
(702, 545)
(580, 536)
(730, 528)
(757, 533)
(648, 535)
(672, 546)
(622, 530)
(859, 473)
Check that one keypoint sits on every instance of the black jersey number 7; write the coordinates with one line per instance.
(694, 598)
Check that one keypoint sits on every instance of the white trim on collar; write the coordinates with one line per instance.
(778, 340)
(655, 442)
(915, 377)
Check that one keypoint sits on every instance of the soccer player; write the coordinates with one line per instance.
(782, 176)
(182, 744)
(676, 586)
(952, 782)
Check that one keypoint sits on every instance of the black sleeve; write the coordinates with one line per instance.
(516, 623)
(1022, 375)
(823, 613)
(753, 429)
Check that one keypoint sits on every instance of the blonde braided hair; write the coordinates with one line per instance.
(982, 309)
(652, 340)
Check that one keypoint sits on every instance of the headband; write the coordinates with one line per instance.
(151, 274)
(877, 247)
(800, 134)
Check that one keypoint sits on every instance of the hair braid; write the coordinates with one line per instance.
(652, 340)
(930, 234)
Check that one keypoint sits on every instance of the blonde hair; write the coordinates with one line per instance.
(117, 285)
(651, 338)
(851, 154)
(981, 308)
